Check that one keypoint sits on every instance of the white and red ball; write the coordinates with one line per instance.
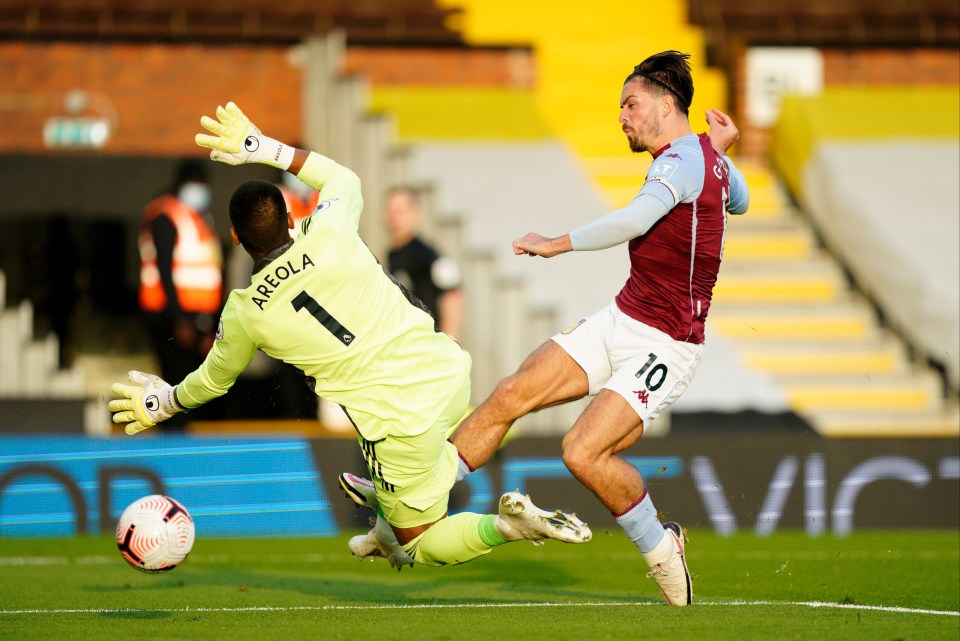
(155, 533)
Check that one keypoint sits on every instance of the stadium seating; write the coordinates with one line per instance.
(399, 21)
(34, 391)
(880, 189)
(730, 24)
(29, 366)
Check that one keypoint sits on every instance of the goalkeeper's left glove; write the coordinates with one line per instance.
(238, 141)
(147, 402)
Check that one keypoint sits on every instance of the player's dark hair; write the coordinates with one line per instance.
(667, 72)
(258, 213)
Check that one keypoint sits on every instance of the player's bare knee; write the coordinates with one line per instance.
(578, 459)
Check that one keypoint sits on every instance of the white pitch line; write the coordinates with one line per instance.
(430, 606)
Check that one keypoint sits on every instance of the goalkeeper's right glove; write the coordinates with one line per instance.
(238, 141)
(150, 400)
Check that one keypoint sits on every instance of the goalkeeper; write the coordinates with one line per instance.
(324, 304)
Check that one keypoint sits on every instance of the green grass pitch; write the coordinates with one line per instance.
(880, 586)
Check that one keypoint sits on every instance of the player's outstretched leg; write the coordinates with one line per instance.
(359, 490)
(669, 567)
(380, 542)
(520, 519)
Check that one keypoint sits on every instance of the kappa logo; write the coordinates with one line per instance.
(251, 144)
(643, 396)
(152, 403)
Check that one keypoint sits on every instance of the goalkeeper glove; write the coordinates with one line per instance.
(147, 402)
(238, 141)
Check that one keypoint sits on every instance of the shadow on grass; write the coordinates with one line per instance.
(159, 583)
(482, 581)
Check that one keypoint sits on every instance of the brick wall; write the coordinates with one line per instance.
(443, 67)
(883, 67)
(161, 90)
(856, 67)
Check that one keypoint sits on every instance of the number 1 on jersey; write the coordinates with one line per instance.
(331, 324)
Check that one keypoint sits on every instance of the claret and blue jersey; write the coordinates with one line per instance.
(674, 265)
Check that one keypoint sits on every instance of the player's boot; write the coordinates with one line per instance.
(520, 519)
(669, 568)
(359, 490)
(380, 542)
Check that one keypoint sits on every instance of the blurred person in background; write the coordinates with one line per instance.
(301, 199)
(637, 355)
(324, 304)
(432, 278)
(181, 273)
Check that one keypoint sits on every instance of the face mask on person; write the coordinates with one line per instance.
(195, 195)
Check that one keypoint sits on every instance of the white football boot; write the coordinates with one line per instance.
(520, 519)
(380, 542)
(669, 568)
(359, 490)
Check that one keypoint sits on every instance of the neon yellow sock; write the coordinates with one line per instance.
(456, 539)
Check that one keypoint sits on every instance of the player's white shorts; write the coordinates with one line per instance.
(642, 364)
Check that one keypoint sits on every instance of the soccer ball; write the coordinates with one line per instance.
(155, 534)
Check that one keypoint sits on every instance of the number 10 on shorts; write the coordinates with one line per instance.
(655, 374)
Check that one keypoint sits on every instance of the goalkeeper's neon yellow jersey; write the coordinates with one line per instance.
(325, 305)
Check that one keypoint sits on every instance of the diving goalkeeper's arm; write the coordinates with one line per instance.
(235, 141)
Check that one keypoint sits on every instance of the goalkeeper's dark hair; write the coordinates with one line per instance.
(258, 213)
(667, 72)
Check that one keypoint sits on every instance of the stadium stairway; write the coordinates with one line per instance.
(29, 366)
(791, 311)
(35, 392)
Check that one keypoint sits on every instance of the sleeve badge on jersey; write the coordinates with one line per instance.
(570, 329)
(663, 169)
(220, 329)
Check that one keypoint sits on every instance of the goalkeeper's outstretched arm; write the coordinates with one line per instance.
(234, 140)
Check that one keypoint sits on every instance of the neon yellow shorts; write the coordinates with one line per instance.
(420, 470)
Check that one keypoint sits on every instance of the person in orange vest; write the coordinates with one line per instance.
(301, 200)
(181, 279)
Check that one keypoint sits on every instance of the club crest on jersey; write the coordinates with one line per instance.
(279, 272)
(574, 326)
(325, 204)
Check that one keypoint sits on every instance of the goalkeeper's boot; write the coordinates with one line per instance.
(520, 519)
(359, 490)
(669, 568)
(380, 542)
